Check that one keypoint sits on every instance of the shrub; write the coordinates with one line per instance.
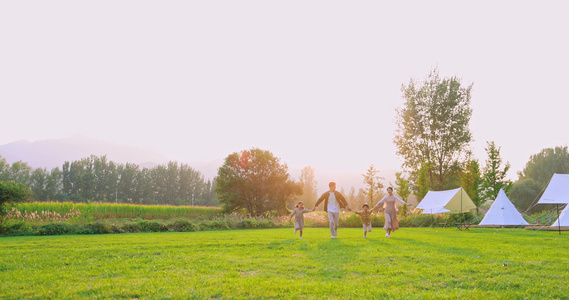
(352, 220)
(17, 228)
(100, 227)
(460, 218)
(248, 223)
(182, 226)
(117, 229)
(152, 226)
(56, 229)
(316, 219)
(131, 227)
(377, 220)
(219, 224)
(85, 229)
(267, 223)
(203, 226)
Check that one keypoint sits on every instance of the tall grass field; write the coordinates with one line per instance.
(99, 211)
(415, 263)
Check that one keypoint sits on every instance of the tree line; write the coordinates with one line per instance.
(95, 178)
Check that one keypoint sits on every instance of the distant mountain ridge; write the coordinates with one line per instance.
(53, 153)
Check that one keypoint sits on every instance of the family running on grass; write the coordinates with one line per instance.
(334, 201)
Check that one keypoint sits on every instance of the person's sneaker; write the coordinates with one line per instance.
(333, 237)
(387, 235)
(300, 238)
(295, 231)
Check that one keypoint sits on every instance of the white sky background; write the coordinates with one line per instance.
(314, 82)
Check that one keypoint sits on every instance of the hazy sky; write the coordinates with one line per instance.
(315, 82)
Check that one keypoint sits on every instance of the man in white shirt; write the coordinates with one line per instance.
(333, 202)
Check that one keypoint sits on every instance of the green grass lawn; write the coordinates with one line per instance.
(416, 263)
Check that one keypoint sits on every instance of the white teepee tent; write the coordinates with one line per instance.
(563, 218)
(503, 212)
(557, 192)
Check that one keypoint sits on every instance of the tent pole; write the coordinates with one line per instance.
(558, 221)
(463, 215)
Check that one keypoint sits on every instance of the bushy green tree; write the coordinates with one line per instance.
(524, 194)
(255, 181)
(494, 175)
(20, 172)
(535, 176)
(54, 184)
(39, 183)
(4, 169)
(12, 192)
(433, 127)
(543, 165)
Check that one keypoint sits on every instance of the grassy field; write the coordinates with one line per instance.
(416, 263)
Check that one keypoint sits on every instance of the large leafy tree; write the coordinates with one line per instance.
(543, 165)
(20, 172)
(432, 127)
(524, 194)
(54, 184)
(536, 175)
(255, 181)
(12, 192)
(39, 182)
(127, 187)
(494, 177)
(4, 169)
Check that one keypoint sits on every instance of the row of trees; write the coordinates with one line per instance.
(95, 178)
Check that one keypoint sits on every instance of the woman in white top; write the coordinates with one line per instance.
(391, 223)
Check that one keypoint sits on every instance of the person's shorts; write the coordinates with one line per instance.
(367, 227)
